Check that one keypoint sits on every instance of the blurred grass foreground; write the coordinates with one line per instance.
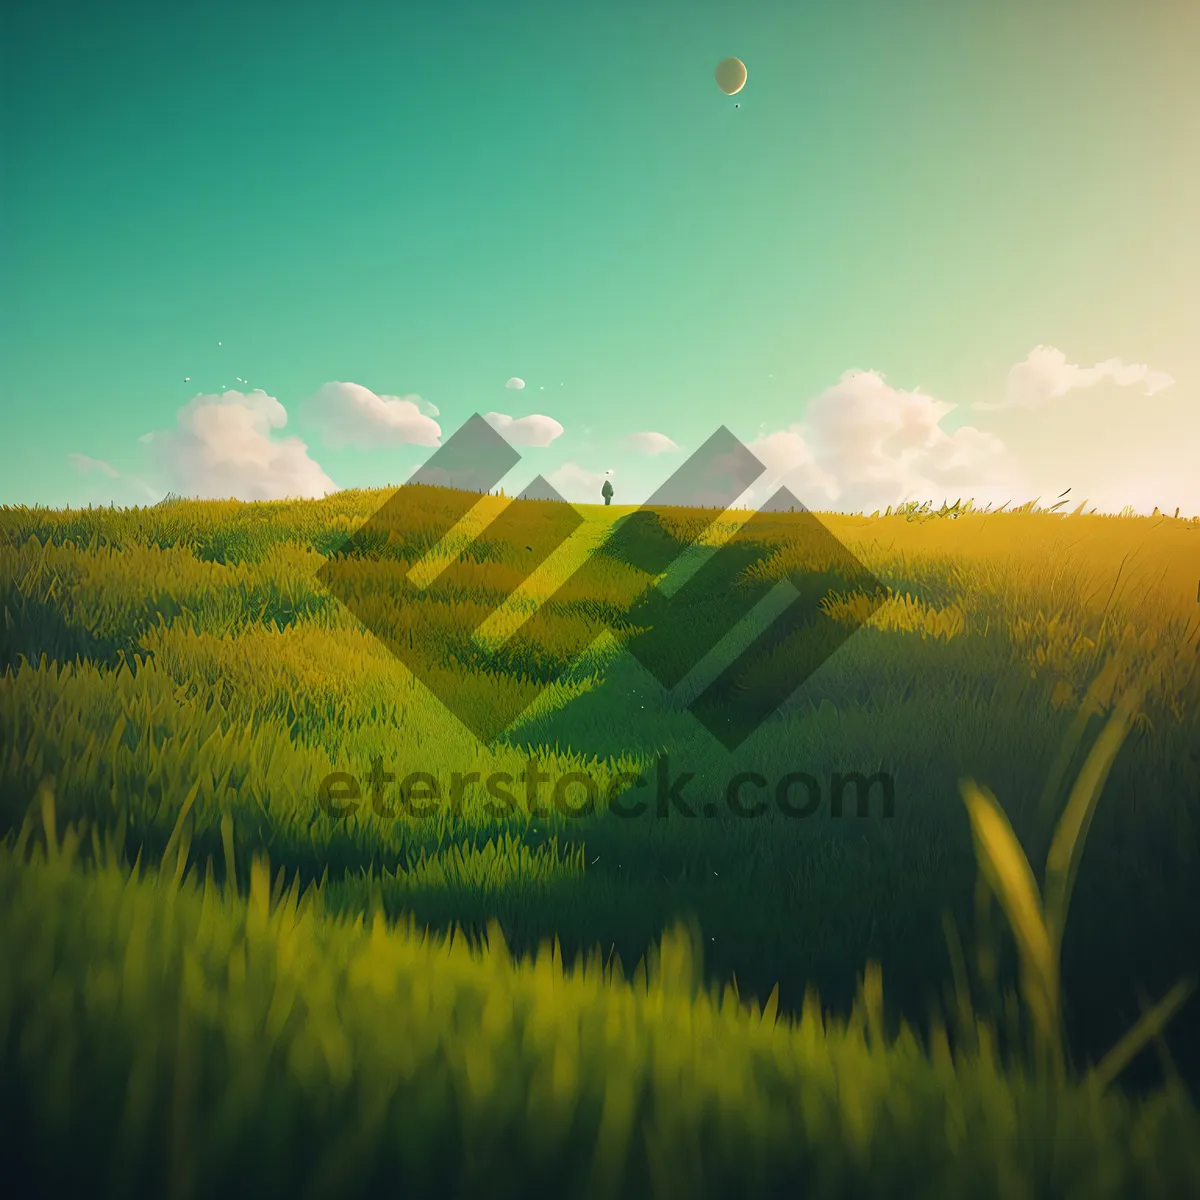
(211, 987)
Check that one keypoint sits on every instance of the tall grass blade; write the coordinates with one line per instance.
(227, 846)
(962, 988)
(1166, 1062)
(49, 819)
(1149, 1027)
(1062, 862)
(1006, 869)
(177, 832)
(1094, 703)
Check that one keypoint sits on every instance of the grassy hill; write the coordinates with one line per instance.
(213, 982)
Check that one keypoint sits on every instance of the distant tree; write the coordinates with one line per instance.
(607, 492)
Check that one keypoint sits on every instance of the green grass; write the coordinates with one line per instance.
(185, 1040)
(178, 679)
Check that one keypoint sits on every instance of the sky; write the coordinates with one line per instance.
(931, 250)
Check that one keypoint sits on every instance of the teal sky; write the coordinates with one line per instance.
(430, 199)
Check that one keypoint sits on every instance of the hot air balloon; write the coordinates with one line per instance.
(730, 75)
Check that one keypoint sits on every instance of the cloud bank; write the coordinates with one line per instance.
(859, 445)
(864, 444)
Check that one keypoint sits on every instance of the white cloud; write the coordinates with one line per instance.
(85, 464)
(650, 443)
(1046, 375)
(515, 383)
(348, 414)
(577, 484)
(1117, 447)
(224, 447)
(864, 444)
(535, 430)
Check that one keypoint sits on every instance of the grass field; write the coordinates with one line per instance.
(213, 984)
